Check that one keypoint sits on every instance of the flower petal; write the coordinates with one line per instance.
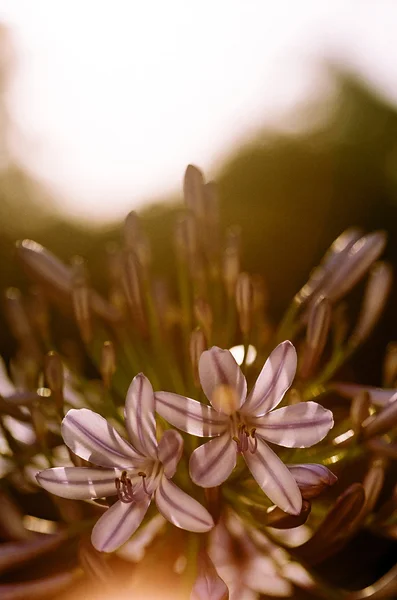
(79, 483)
(208, 584)
(139, 416)
(211, 464)
(297, 426)
(274, 478)
(180, 509)
(170, 451)
(273, 381)
(91, 437)
(118, 524)
(217, 367)
(189, 415)
(312, 478)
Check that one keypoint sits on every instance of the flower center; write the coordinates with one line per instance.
(126, 491)
(224, 399)
(244, 437)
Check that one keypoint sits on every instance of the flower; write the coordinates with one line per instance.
(241, 424)
(135, 471)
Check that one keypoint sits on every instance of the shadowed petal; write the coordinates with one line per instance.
(312, 478)
(273, 381)
(180, 509)
(79, 483)
(170, 451)
(139, 416)
(211, 464)
(217, 367)
(189, 415)
(208, 584)
(118, 524)
(297, 426)
(274, 478)
(91, 437)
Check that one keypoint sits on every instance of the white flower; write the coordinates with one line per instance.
(136, 472)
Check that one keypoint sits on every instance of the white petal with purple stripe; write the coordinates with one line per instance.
(170, 451)
(79, 483)
(139, 416)
(211, 464)
(217, 367)
(180, 509)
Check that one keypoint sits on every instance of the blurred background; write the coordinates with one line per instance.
(289, 106)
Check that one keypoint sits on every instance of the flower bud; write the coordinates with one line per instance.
(277, 518)
(390, 365)
(360, 410)
(193, 191)
(81, 299)
(373, 483)
(197, 345)
(316, 334)
(381, 423)
(231, 260)
(53, 371)
(312, 479)
(44, 265)
(208, 584)
(186, 237)
(375, 297)
(203, 314)
(108, 363)
(245, 301)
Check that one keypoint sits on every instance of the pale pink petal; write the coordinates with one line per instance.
(211, 464)
(139, 416)
(312, 478)
(208, 584)
(274, 478)
(297, 426)
(378, 396)
(91, 437)
(189, 415)
(170, 451)
(118, 524)
(79, 483)
(274, 380)
(217, 367)
(180, 509)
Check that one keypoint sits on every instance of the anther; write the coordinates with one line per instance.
(143, 475)
(125, 491)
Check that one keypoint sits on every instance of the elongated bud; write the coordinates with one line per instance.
(203, 314)
(131, 230)
(316, 334)
(211, 201)
(381, 423)
(132, 287)
(94, 563)
(340, 324)
(81, 299)
(44, 587)
(245, 301)
(39, 423)
(378, 396)
(360, 410)
(383, 448)
(193, 191)
(231, 260)
(197, 345)
(277, 518)
(261, 296)
(390, 365)
(45, 265)
(53, 371)
(208, 584)
(373, 482)
(17, 553)
(108, 363)
(38, 312)
(312, 479)
(17, 317)
(186, 237)
(376, 295)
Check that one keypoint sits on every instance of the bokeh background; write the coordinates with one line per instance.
(289, 106)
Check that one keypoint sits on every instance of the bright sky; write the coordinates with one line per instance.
(113, 98)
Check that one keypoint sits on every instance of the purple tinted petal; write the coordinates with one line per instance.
(180, 509)
(274, 478)
(274, 380)
(79, 483)
(208, 584)
(211, 464)
(91, 437)
(189, 415)
(170, 451)
(217, 367)
(139, 416)
(378, 396)
(118, 524)
(312, 478)
(297, 426)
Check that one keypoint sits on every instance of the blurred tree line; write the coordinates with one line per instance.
(291, 194)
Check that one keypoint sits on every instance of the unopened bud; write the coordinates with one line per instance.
(376, 295)
(312, 479)
(390, 365)
(45, 266)
(186, 237)
(16, 315)
(203, 314)
(260, 293)
(193, 191)
(81, 299)
(373, 483)
(197, 345)
(39, 423)
(108, 363)
(132, 230)
(381, 423)
(340, 324)
(360, 410)
(208, 584)
(277, 518)
(211, 204)
(93, 562)
(53, 371)
(245, 301)
(316, 335)
(132, 286)
(38, 312)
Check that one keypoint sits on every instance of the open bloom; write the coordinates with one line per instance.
(241, 424)
(135, 472)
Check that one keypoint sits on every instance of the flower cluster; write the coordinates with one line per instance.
(102, 458)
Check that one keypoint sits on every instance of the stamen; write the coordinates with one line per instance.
(143, 475)
(254, 444)
(125, 491)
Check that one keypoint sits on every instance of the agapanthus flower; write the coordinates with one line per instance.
(241, 423)
(136, 471)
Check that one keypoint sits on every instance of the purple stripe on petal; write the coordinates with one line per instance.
(189, 415)
(211, 464)
(170, 451)
(297, 426)
(181, 509)
(274, 478)
(139, 416)
(273, 381)
(79, 483)
(218, 367)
